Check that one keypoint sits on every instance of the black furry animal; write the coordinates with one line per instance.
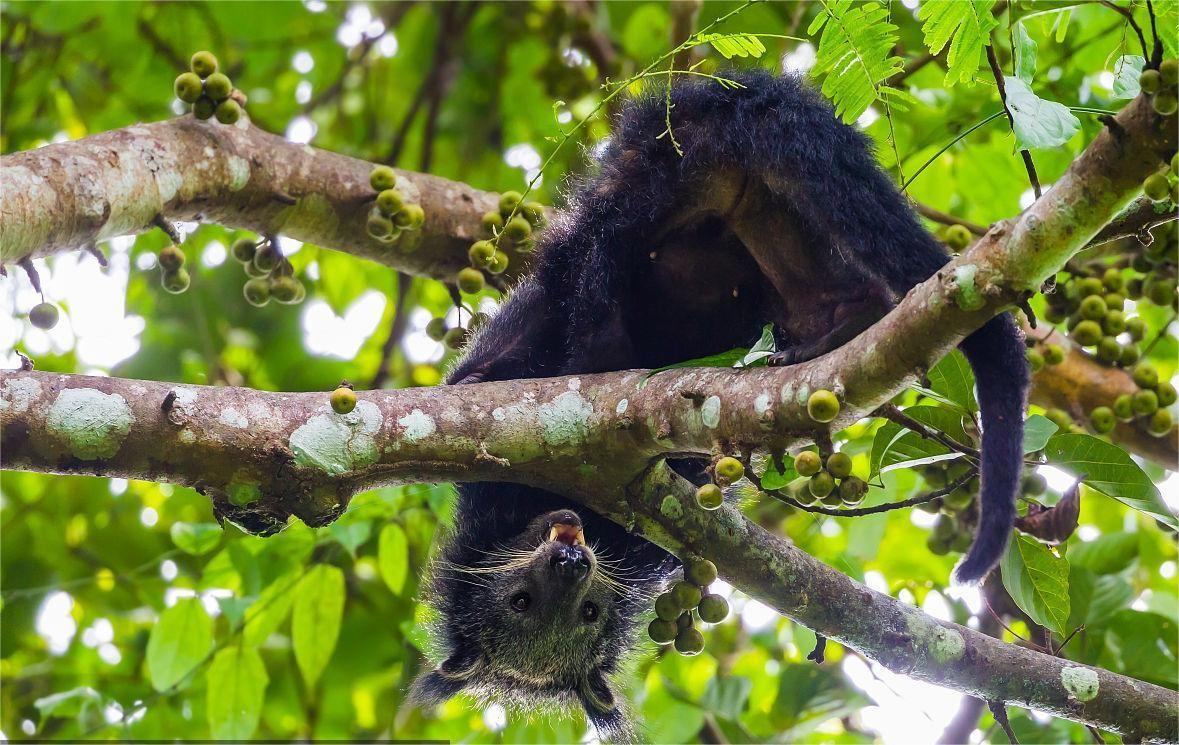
(775, 212)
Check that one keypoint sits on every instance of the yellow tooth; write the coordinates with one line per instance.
(580, 539)
(553, 533)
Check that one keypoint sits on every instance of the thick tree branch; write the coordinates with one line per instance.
(263, 456)
(888, 631)
(1080, 384)
(73, 194)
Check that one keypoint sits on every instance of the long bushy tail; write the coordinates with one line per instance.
(996, 352)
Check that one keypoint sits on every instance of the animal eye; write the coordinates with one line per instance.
(520, 602)
(589, 611)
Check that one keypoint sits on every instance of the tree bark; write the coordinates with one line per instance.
(264, 456)
(74, 194)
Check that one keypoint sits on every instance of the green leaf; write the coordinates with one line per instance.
(966, 26)
(734, 45)
(953, 378)
(351, 534)
(236, 683)
(268, 612)
(69, 703)
(772, 478)
(726, 696)
(1038, 123)
(1036, 431)
(315, 620)
(1025, 53)
(1107, 554)
(854, 57)
(1111, 594)
(1109, 470)
(179, 642)
(393, 557)
(1126, 72)
(896, 447)
(1037, 581)
(764, 348)
(1081, 584)
(1147, 643)
(196, 538)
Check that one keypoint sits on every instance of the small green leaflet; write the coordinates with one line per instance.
(855, 56)
(393, 557)
(739, 357)
(351, 535)
(196, 538)
(966, 26)
(1025, 53)
(1126, 72)
(1037, 581)
(761, 351)
(1038, 123)
(315, 619)
(1036, 431)
(178, 643)
(734, 45)
(953, 378)
(1110, 471)
(726, 696)
(772, 478)
(71, 703)
(236, 689)
(267, 613)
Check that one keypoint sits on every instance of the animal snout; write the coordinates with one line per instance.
(569, 563)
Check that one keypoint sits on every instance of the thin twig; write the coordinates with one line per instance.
(947, 219)
(396, 330)
(1125, 13)
(894, 414)
(875, 509)
(1027, 156)
(999, 711)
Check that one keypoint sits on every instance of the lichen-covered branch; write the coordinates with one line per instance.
(895, 634)
(73, 194)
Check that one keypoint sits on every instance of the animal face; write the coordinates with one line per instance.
(535, 620)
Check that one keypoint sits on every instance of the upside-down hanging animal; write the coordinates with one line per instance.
(775, 212)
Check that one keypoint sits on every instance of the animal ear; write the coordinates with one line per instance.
(601, 709)
(435, 687)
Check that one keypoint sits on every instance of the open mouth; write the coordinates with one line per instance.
(567, 533)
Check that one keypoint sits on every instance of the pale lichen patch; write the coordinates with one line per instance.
(231, 417)
(710, 412)
(90, 423)
(574, 384)
(1080, 682)
(671, 508)
(621, 407)
(338, 443)
(417, 425)
(946, 645)
(18, 394)
(761, 404)
(239, 172)
(967, 294)
(565, 419)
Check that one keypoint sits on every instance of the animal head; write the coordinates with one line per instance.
(540, 619)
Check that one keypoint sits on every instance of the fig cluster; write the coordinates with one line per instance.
(1041, 354)
(454, 338)
(677, 609)
(173, 276)
(829, 480)
(393, 220)
(513, 223)
(209, 91)
(271, 276)
(1160, 86)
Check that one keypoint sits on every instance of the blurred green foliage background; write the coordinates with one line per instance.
(477, 92)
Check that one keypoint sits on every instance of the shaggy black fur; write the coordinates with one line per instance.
(775, 212)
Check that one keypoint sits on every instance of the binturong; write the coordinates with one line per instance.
(771, 211)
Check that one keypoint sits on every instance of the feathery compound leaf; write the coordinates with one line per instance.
(966, 26)
(734, 45)
(854, 55)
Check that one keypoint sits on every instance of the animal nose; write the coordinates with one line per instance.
(570, 564)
